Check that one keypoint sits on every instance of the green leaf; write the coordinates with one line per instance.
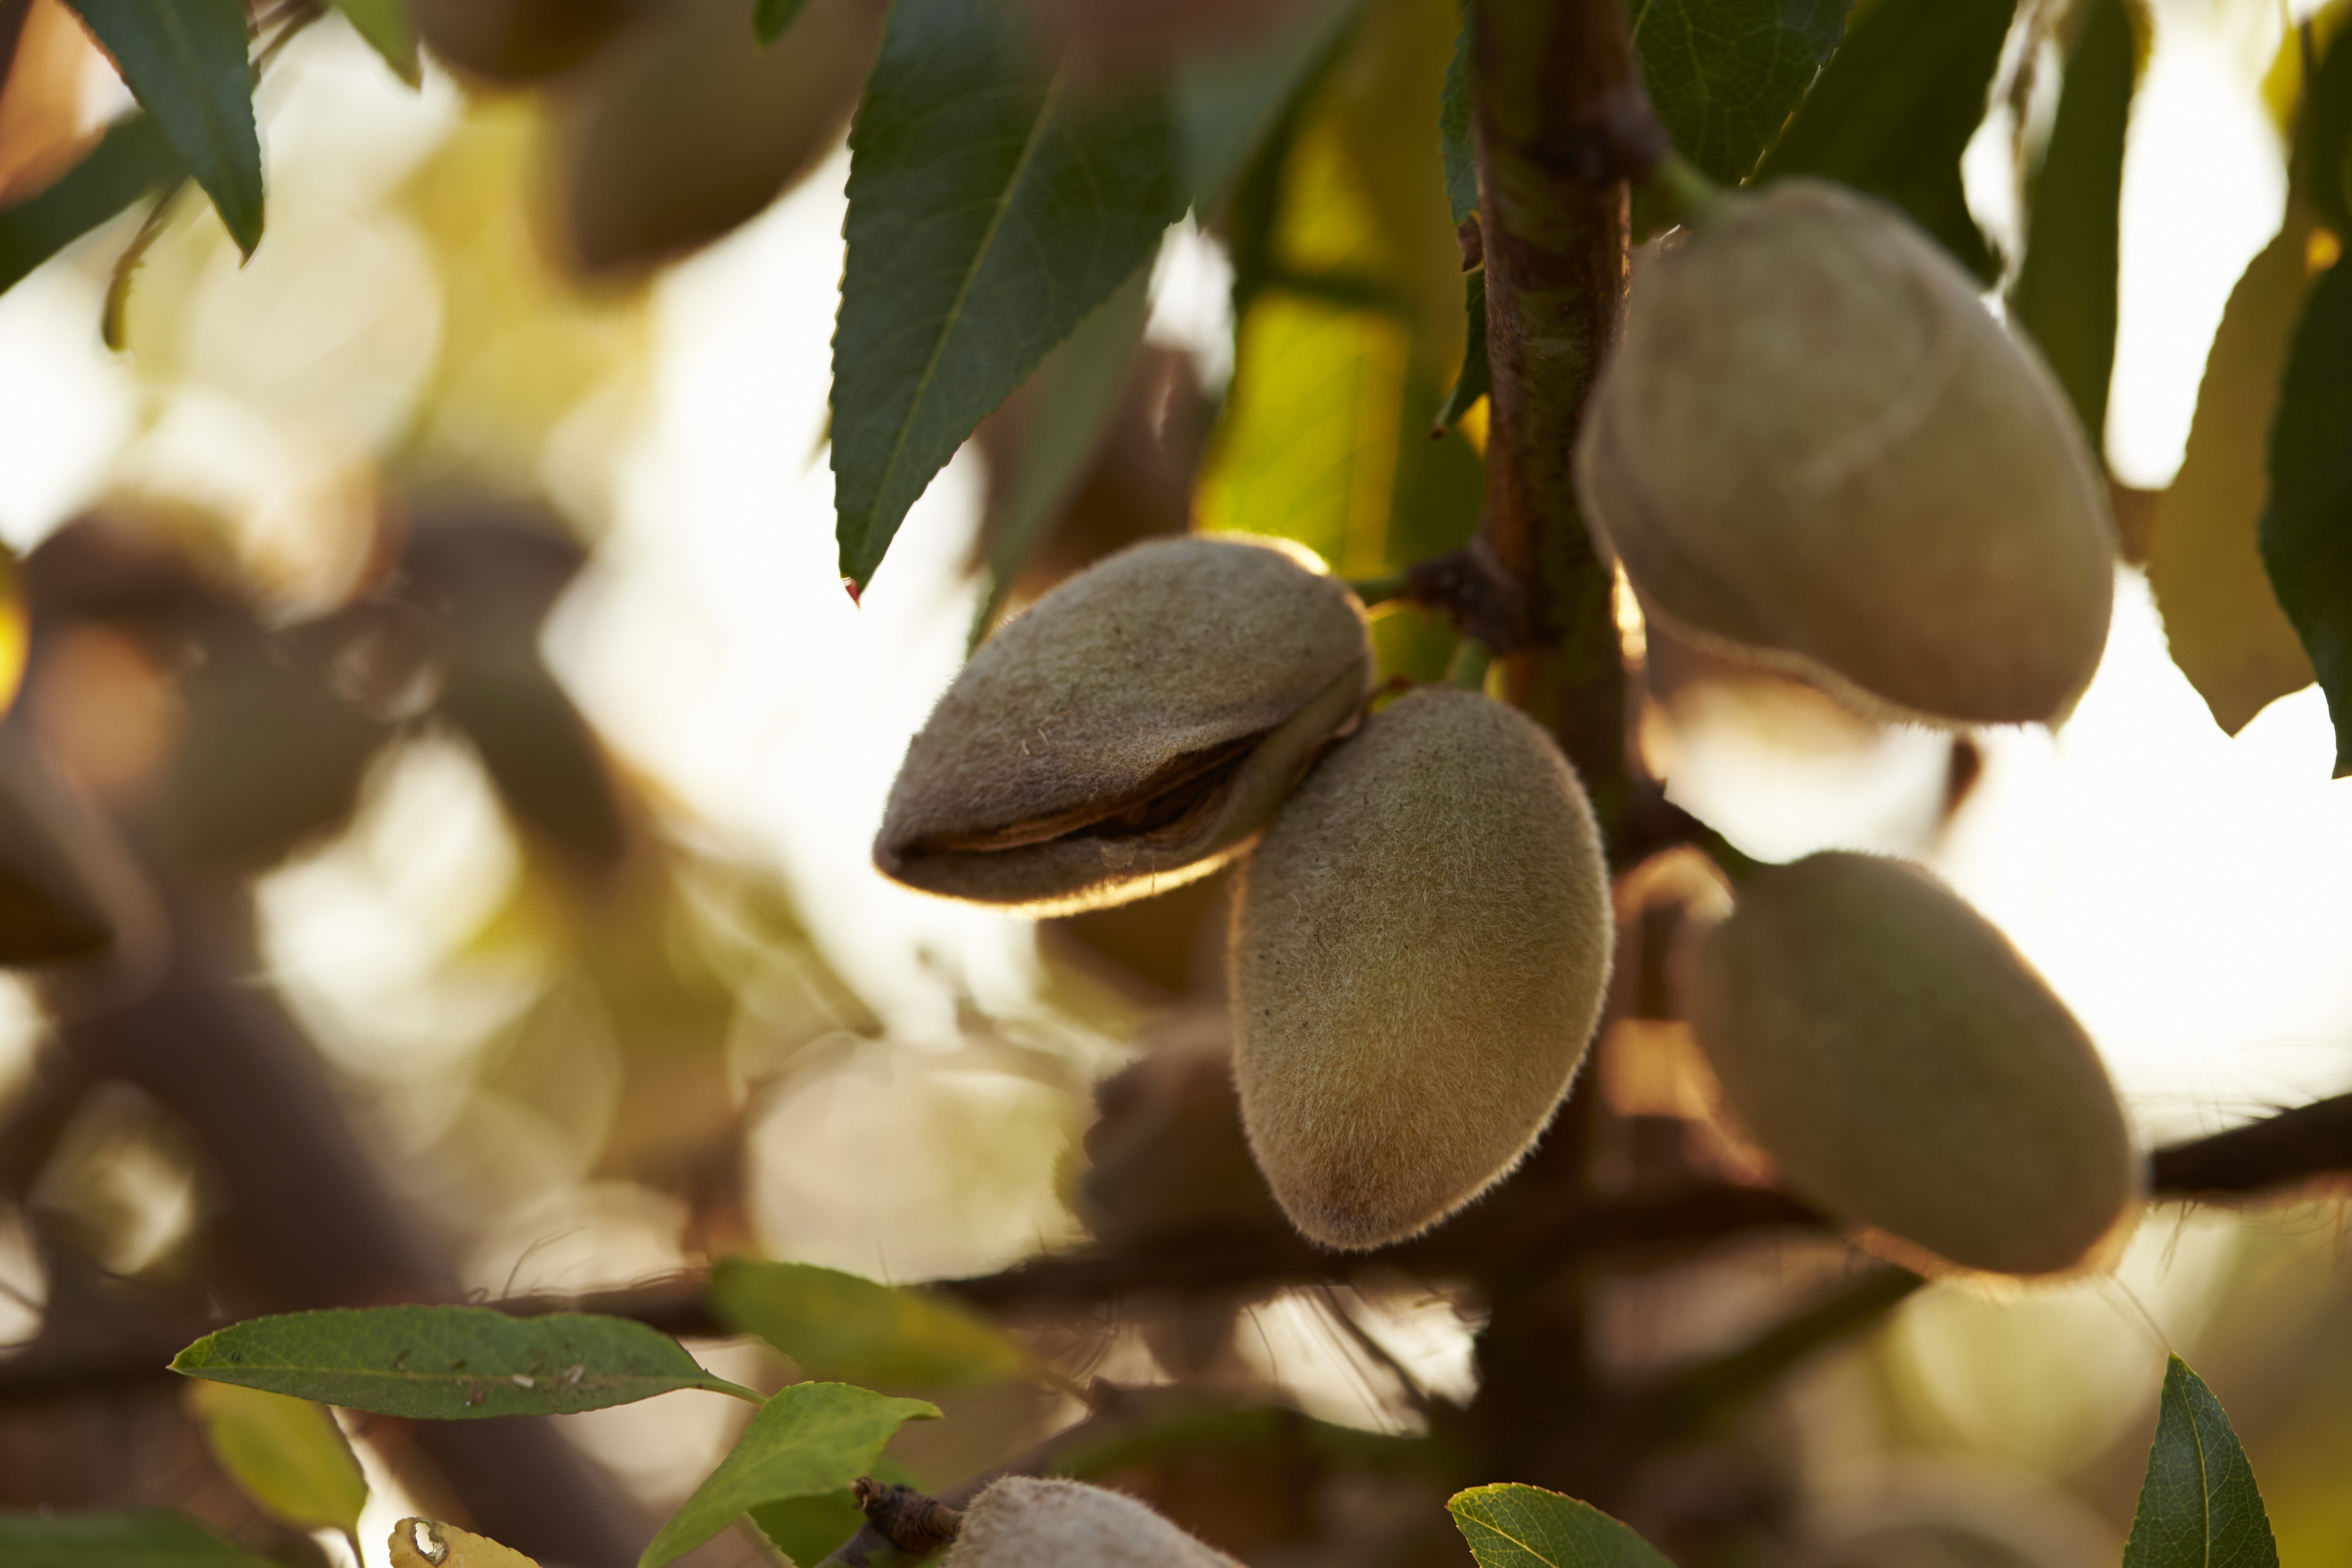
(1477, 375)
(1227, 101)
(1325, 437)
(1724, 75)
(1895, 106)
(448, 1363)
(1525, 1527)
(1071, 398)
(2324, 164)
(135, 1538)
(185, 61)
(807, 1530)
(2306, 531)
(287, 1454)
(1455, 142)
(2198, 1506)
(2221, 621)
(2065, 292)
(768, 22)
(809, 1439)
(384, 24)
(131, 160)
(993, 203)
(842, 1325)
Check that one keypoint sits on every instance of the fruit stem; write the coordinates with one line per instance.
(1690, 197)
(1380, 590)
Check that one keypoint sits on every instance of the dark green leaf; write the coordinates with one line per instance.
(2324, 166)
(842, 1325)
(447, 1364)
(131, 160)
(993, 203)
(1454, 138)
(2198, 1508)
(1725, 74)
(185, 61)
(384, 24)
(2065, 293)
(2307, 531)
(135, 1538)
(1526, 1527)
(1227, 101)
(768, 22)
(1477, 375)
(1895, 106)
(807, 1530)
(809, 1439)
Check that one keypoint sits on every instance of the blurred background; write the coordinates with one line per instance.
(431, 648)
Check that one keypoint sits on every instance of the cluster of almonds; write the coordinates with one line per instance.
(1895, 501)
(1421, 940)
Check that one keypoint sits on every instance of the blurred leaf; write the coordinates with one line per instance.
(1895, 106)
(768, 22)
(447, 1363)
(2065, 292)
(2306, 529)
(1724, 75)
(2228, 633)
(1226, 102)
(130, 160)
(2198, 1506)
(1454, 140)
(1326, 440)
(811, 1439)
(185, 61)
(1379, 106)
(384, 24)
(842, 1325)
(1325, 437)
(993, 203)
(1525, 1527)
(2326, 151)
(429, 1543)
(135, 1538)
(1477, 375)
(287, 1454)
(1075, 390)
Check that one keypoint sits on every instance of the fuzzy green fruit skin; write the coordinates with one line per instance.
(1021, 1522)
(1908, 1070)
(1420, 949)
(1169, 650)
(1812, 442)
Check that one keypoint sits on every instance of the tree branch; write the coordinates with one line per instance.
(1508, 1241)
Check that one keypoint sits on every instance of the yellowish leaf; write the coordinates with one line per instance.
(427, 1544)
(2229, 635)
(287, 1454)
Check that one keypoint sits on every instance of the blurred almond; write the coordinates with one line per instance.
(688, 128)
(1136, 728)
(515, 41)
